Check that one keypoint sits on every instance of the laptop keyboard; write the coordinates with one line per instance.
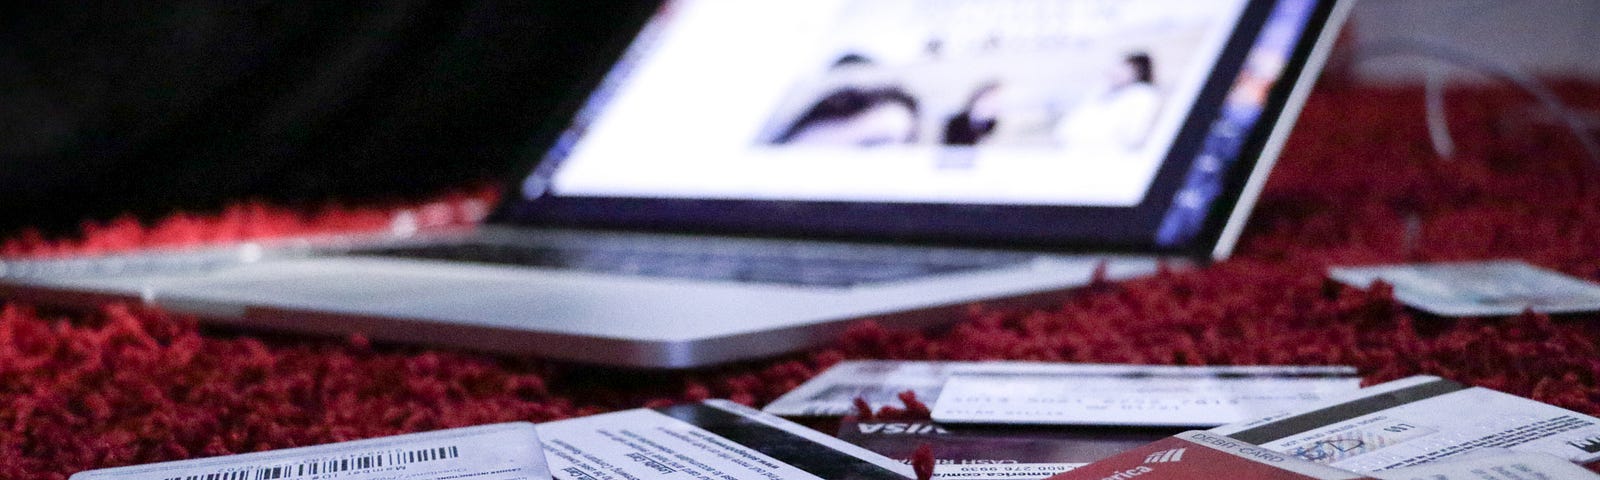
(758, 267)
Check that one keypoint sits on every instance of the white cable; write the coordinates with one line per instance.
(1438, 122)
(1480, 64)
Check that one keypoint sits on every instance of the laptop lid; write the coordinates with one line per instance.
(1122, 126)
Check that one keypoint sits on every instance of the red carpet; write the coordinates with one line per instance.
(129, 385)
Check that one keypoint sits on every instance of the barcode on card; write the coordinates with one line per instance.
(325, 466)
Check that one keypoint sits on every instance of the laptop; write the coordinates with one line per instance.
(750, 178)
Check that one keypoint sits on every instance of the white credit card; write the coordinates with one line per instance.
(831, 393)
(1135, 395)
(1510, 466)
(715, 439)
(1490, 288)
(878, 382)
(507, 451)
(1422, 420)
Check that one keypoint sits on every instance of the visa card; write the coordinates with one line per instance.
(986, 452)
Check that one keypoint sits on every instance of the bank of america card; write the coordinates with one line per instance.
(507, 451)
(1422, 420)
(715, 439)
(1196, 455)
(970, 452)
(1135, 395)
(1493, 288)
(1510, 466)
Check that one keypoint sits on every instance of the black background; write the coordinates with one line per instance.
(149, 107)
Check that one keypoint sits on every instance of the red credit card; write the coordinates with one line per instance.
(1202, 455)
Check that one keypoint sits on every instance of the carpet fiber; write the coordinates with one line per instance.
(1358, 184)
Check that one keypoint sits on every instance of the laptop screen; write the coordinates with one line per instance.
(1066, 123)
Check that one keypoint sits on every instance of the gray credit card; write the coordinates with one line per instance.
(1486, 288)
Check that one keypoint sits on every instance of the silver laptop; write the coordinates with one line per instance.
(750, 178)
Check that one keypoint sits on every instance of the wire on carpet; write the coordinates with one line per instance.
(1458, 56)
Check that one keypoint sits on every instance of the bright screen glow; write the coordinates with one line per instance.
(1025, 102)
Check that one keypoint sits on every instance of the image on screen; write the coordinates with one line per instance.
(1006, 102)
(1083, 124)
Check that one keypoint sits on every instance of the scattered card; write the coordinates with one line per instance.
(1510, 466)
(832, 393)
(716, 439)
(1493, 288)
(997, 453)
(1195, 455)
(507, 451)
(1420, 420)
(1135, 395)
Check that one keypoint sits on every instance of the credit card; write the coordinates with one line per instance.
(507, 451)
(715, 439)
(832, 393)
(1135, 395)
(1201, 455)
(1492, 288)
(994, 453)
(1421, 420)
(1510, 466)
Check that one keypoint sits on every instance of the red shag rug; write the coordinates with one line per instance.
(130, 385)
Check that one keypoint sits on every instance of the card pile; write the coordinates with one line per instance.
(993, 420)
(712, 440)
(1016, 420)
